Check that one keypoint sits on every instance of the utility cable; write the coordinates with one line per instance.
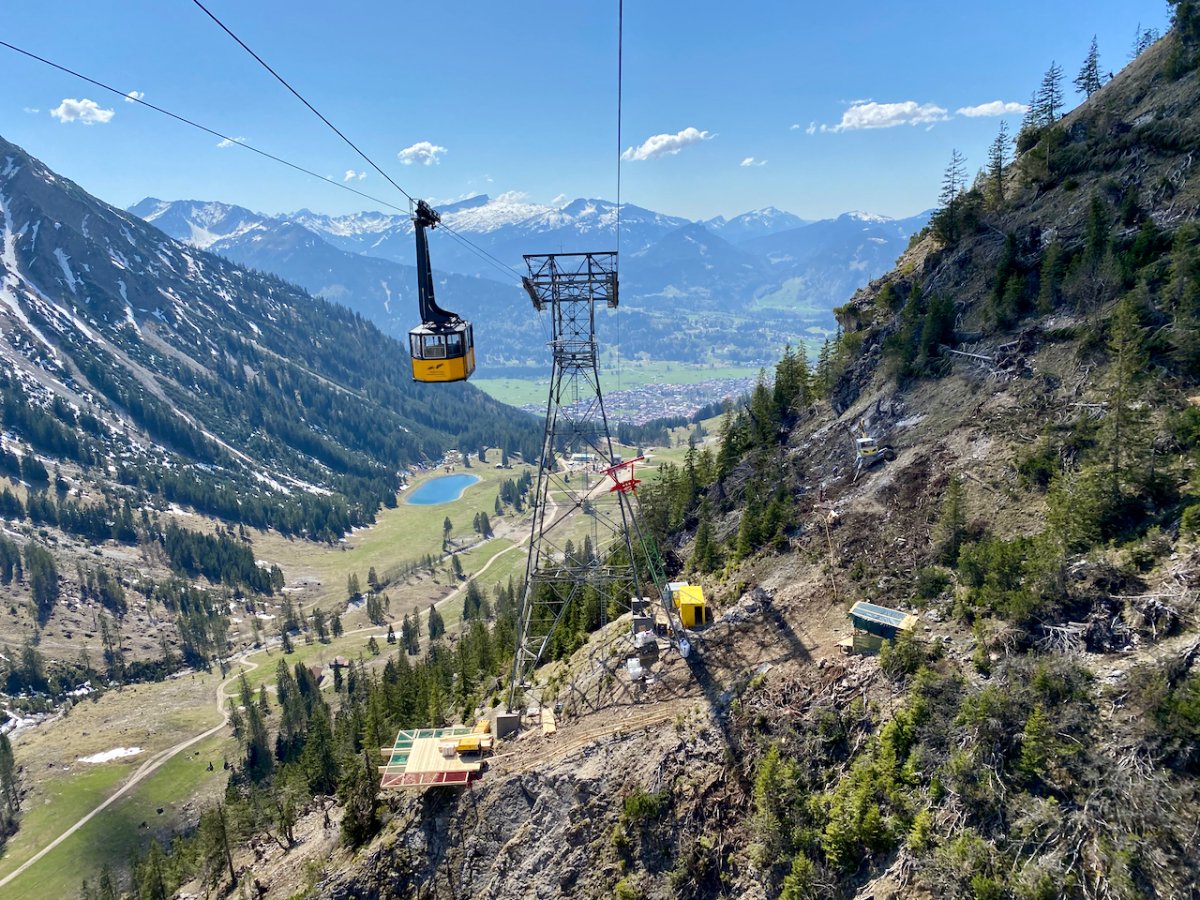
(479, 251)
(300, 97)
(204, 128)
(620, 81)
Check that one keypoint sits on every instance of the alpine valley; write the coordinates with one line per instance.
(744, 287)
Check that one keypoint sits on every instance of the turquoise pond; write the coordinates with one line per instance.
(441, 490)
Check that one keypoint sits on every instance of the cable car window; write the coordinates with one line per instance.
(454, 345)
(435, 347)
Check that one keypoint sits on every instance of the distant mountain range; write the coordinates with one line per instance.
(168, 372)
(758, 279)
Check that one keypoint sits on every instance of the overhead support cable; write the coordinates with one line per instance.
(300, 97)
(128, 95)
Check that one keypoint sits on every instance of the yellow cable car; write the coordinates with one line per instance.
(443, 345)
(442, 352)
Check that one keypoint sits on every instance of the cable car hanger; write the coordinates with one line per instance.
(443, 345)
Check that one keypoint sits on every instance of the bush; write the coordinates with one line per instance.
(1185, 427)
(931, 582)
(1190, 521)
(641, 806)
(903, 656)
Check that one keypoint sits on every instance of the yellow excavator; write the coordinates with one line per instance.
(867, 451)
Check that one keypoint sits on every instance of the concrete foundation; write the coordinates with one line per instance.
(506, 724)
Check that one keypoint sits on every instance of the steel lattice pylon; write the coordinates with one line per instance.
(576, 473)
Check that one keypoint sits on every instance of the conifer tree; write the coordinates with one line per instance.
(1088, 80)
(1143, 39)
(1123, 433)
(358, 791)
(704, 551)
(437, 625)
(1182, 296)
(997, 160)
(1050, 95)
(951, 526)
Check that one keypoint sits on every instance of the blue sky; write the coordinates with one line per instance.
(521, 97)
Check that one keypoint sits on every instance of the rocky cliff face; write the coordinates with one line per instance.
(1041, 726)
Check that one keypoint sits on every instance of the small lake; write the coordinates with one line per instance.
(441, 490)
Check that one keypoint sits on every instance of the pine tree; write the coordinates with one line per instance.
(1050, 95)
(437, 625)
(997, 160)
(953, 179)
(1182, 296)
(947, 221)
(358, 791)
(1088, 80)
(10, 799)
(951, 526)
(704, 551)
(1123, 434)
(1143, 39)
(824, 373)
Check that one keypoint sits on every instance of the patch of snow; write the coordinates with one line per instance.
(110, 755)
(65, 262)
(8, 257)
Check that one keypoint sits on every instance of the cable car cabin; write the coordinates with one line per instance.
(442, 352)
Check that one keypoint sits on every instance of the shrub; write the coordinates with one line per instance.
(931, 582)
(641, 806)
(903, 656)
(1190, 521)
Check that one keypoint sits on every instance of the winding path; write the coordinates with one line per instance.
(154, 763)
(149, 767)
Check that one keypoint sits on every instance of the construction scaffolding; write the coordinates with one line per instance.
(579, 474)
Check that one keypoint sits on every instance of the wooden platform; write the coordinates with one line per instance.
(416, 760)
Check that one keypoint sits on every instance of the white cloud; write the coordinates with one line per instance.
(134, 96)
(423, 152)
(869, 114)
(229, 142)
(511, 197)
(995, 108)
(89, 112)
(560, 200)
(666, 144)
(796, 127)
(351, 175)
(751, 161)
(32, 109)
(811, 129)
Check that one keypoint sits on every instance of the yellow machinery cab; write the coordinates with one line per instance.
(442, 352)
(443, 345)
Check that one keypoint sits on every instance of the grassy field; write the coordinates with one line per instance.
(399, 536)
(181, 786)
(61, 789)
